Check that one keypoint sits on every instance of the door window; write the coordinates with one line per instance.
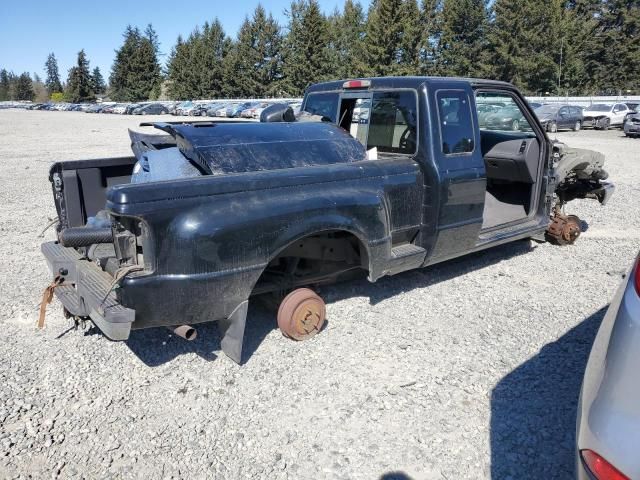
(456, 124)
(505, 116)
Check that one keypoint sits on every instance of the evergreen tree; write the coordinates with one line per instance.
(144, 79)
(195, 66)
(210, 67)
(23, 88)
(525, 43)
(79, 84)
(305, 48)
(179, 71)
(136, 74)
(97, 82)
(5, 85)
(52, 81)
(268, 45)
(253, 66)
(431, 22)
(462, 38)
(347, 34)
(40, 90)
(240, 73)
(411, 38)
(385, 27)
(614, 61)
(123, 67)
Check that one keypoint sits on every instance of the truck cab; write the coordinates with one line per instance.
(485, 162)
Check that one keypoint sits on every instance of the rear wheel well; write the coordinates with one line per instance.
(323, 257)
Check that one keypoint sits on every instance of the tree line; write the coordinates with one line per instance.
(580, 47)
(82, 85)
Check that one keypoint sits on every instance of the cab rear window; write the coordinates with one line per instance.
(323, 104)
(393, 122)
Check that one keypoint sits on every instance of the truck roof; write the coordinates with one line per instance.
(406, 82)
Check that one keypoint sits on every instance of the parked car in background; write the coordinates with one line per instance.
(151, 109)
(97, 108)
(534, 105)
(222, 111)
(486, 109)
(119, 108)
(254, 110)
(181, 107)
(213, 109)
(608, 420)
(554, 117)
(632, 125)
(296, 106)
(602, 116)
(236, 109)
(506, 118)
(634, 107)
(198, 109)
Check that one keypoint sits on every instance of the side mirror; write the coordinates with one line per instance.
(278, 112)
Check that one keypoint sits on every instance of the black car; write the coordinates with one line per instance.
(151, 109)
(556, 117)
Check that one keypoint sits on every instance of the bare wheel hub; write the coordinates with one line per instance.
(564, 229)
(301, 314)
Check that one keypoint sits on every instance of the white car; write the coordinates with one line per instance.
(602, 116)
(120, 108)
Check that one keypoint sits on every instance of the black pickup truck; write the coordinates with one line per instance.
(377, 175)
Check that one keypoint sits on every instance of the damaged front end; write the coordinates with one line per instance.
(576, 174)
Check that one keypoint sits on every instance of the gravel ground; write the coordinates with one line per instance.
(469, 369)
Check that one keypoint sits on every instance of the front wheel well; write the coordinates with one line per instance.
(319, 258)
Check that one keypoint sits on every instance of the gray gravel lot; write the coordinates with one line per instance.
(469, 369)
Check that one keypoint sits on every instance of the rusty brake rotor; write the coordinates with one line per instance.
(301, 314)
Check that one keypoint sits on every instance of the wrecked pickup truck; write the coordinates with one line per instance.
(383, 175)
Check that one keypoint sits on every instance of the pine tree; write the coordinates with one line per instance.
(79, 84)
(23, 88)
(52, 81)
(213, 46)
(5, 85)
(348, 29)
(123, 67)
(178, 71)
(240, 73)
(305, 48)
(97, 82)
(268, 44)
(40, 90)
(411, 38)
(143, 80)
(385, 27)
(614, 61)
(462, 38)
(430, 33)
(525, 43)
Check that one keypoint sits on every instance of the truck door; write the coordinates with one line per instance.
(457, 153)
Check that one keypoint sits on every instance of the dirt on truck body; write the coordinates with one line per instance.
(377, 176)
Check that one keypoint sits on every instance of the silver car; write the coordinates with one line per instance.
(608, 426)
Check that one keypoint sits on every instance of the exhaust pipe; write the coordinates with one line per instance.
(185, 331)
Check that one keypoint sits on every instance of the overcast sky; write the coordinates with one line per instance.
(30, 29)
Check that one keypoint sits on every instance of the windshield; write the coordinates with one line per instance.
(547, 109)
(599, 108)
